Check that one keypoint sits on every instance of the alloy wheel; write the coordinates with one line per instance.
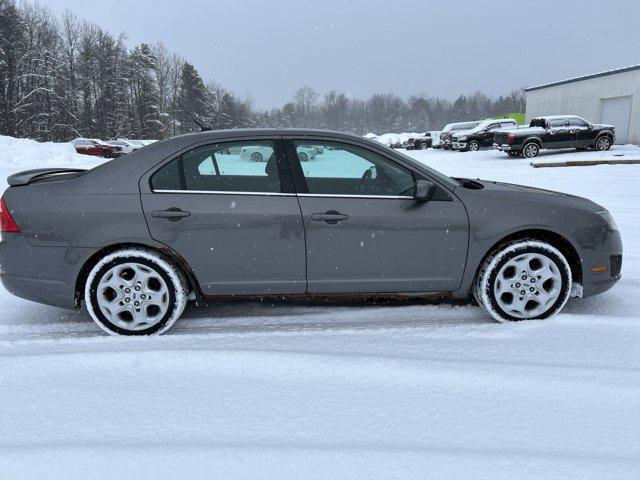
(474, 146)
(133, 296)
(531, 150)
(528, 285)
(603, 144)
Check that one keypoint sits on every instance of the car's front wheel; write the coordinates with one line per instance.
(107, 154)
(473, 146)
(424, 146)
(603, 144)
(524, 280)
(135, 292)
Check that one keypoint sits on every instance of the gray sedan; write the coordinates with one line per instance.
(190, 219)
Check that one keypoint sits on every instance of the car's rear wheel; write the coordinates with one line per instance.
(531, 150)
(256, 157)
(303, 157)
(107, 154)
(603, 144)
(135, 292)
(473, 146)
(524, 280)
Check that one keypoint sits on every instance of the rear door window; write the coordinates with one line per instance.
(250, 167)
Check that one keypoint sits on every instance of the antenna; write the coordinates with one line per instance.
(194, 118)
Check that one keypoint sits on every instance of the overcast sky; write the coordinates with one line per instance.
(360, 47)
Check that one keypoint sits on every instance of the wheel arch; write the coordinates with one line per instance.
(535, 140)
(604, 133)
(552, 238)
(166, 253)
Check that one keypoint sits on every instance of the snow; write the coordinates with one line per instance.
(393, 138)
(18, 154)
(296, 390)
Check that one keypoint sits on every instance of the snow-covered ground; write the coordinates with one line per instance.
(250, 390)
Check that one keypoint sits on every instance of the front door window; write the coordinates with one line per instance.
(341, 169)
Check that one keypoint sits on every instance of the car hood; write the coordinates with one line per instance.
(512, 189)
(459, 133)
(603, 125)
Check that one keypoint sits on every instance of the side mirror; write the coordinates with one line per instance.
(424, 191)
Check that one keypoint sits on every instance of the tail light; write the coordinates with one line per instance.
(7, 223)
(511, 138)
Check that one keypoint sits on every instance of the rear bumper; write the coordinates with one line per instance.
(40, 274)
(503, 147)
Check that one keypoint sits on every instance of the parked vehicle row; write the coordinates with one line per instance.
(548, 132)
(109, 149)
(555, 132)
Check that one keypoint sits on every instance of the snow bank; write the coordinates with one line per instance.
(18, 154)
(25, 153)
(393, 138)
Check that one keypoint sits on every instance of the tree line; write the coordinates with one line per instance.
(62, 77)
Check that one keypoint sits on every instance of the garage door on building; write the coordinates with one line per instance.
(616, 111)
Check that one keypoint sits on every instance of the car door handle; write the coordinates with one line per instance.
(332, 217)
(171, 214)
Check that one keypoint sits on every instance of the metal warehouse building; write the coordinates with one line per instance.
(611, 97)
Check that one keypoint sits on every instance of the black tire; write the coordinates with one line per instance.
(423, 146)
(107, 154)
(603, 143)
(303, 157)
(473, 146)
(485, 284)
(256, 157)
(531, 150)
(173, 278)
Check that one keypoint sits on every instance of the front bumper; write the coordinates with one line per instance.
(459, 145)
(602, 265)
(503, 147)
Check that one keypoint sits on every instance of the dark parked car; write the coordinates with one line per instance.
(189, 219)
(421, 142)
(481, 136)
(562, 131)
(97, 148)
(446, 136)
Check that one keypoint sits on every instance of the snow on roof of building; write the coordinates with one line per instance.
(584, 77)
